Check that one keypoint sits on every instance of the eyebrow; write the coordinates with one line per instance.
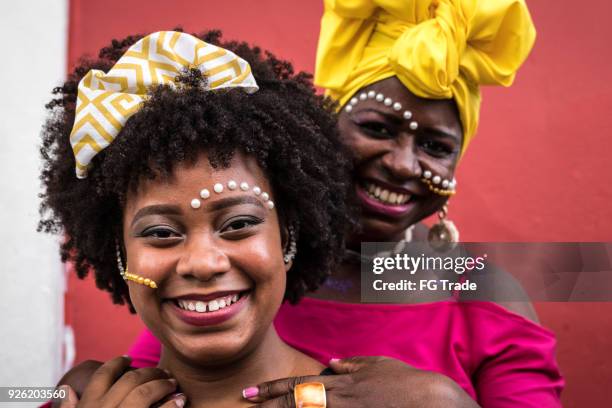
(232, 201)
(429, 129)
(158, 209)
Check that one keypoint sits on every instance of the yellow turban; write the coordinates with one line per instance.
(439, 49)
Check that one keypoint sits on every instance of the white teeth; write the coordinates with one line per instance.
(385, 195)
(213, 305)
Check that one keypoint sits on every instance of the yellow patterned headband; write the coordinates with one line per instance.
(106, 101)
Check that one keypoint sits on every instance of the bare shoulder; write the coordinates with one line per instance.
(503, 289)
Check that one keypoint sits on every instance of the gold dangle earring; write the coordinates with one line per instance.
(126, 275)
(443, 236)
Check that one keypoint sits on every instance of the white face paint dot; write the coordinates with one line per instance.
(380, 97)
(397, 106)
(232, 185)
(205, 194)
(407, 115)
(218, 188)
(256, 190)
(436, 179)
(270, 204)
(244, 186)
(265, 196)
(354, 101)
(445, 183)
(363, 96)
(414, 125)
(348, 109)
(427, 174)
(195, 203)
(388, 102)
(371, 94)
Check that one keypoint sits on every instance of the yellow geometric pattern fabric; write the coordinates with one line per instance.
(106, 101)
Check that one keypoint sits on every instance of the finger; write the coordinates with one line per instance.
(285, 386)
(351, 364)
(284, 401)
(131, 380)
(176, 401)
(149, 393)
(104, 377)
(70, 400)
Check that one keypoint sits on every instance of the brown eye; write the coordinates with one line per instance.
(159, 233)
(240, 224)
(375, 129)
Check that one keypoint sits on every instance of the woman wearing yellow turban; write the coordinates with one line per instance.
(407, 76)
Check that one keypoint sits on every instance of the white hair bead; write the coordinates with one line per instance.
(232, 185)
(218, 188)
(256, 190)
(380, 97)
(195, 203)
(436, 179)
(265, 196)
(427, 174)
(397, 106)
(363, 96)
(244, 186)
(388, 102)
(205, 194)
(371, 94)
(445, 183)
(414, 125)
(407, 115)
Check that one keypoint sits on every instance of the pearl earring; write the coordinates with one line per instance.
(290, 254)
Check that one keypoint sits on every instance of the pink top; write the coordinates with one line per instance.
(499, 358)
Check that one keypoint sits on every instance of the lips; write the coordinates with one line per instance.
(208, 310)
(384, 200)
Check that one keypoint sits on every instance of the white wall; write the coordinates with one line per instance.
(32, 278)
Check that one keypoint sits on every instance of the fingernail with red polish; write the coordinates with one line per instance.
(333, 360)
(250, 392)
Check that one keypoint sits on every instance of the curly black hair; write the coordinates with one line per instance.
(286, 126)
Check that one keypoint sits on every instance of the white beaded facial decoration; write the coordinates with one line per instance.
(439, 185)
(385, 100)
(232, 185)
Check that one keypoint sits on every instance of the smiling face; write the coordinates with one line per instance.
(390, 157)
(219, 268)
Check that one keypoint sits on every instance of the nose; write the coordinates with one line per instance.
(401, 160)
(203, 259)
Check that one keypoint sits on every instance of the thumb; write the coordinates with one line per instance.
(348, 365)
(70, 399)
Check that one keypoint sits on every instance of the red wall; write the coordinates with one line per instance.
(539, 169)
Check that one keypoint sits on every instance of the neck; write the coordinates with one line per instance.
(221, 385)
